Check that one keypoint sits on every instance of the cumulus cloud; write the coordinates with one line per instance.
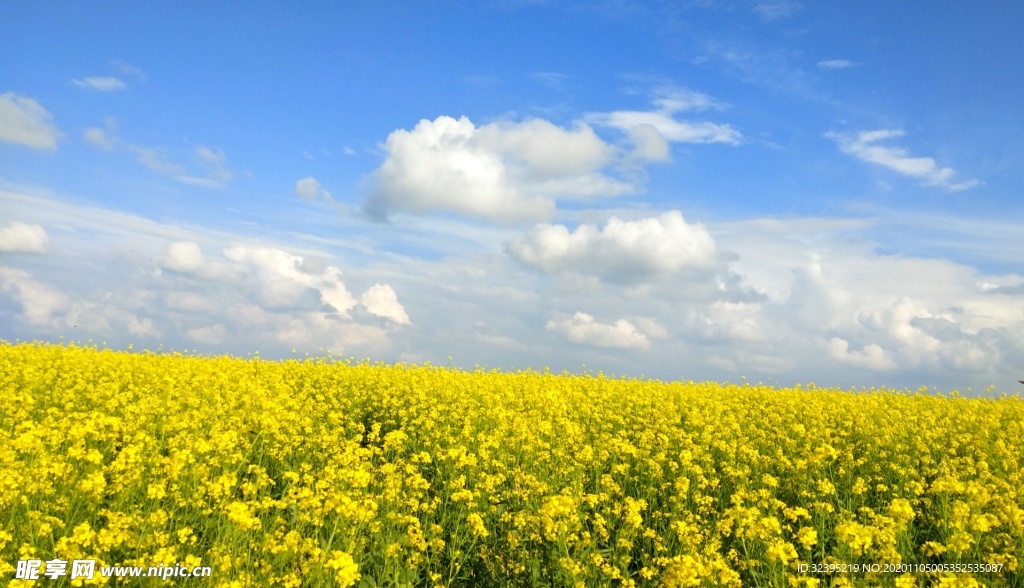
(621, 251)
(187, 258)
(23, 238)
(668, 103)
(503, 171)
(283, 278)
(184, 256)
(49, 309)
(725, 321)
(584, 329)
(909, 319)
(864, 146)
(211, 335)
(283, 297)
(40, 302)
(24, 121)
(819, 282)
(381, 300)
(871, 357)
(101, 84)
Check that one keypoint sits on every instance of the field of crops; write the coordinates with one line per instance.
(331, 473)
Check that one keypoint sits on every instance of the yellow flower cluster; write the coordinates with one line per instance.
(335, 473)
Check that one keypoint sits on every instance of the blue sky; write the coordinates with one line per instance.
(703, 190)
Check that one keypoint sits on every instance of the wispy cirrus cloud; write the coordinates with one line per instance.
(212, 172)
(668, 104)
(835, 64)
(101, 83)
(553, 80)
(129, 70)
(111, 83)
(777, 9)
(865, 146)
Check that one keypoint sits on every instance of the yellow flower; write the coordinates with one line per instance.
(346, 569)
(240, 514)
(807, 537)
(781, 551)
(476, 523)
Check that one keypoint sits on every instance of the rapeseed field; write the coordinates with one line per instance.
(323, 472)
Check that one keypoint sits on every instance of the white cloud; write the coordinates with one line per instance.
(871, 357)
(339, 337)
(129, 69)
(283, 278)
(791, 287)
(217, 174)
(893, 314)
(184, 256)
(101, 84)
(671, 100)
(23, 238)
(864, 146)
(553, 80)
(270, 297)
(734, 322)
(671, 129)
(40, 302)
(156, 161)
(651, 327)
(622, 251)
(212, 162)
(310, 189)
(98, 137)
(105, 138)
(216, 165)
(648, 143)
(25, 122)
(583, 329)
(776, 9)
(502, 171)
(143, 327)
(668, 102)
(835, 64)
(211, 335)
(381, 300)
